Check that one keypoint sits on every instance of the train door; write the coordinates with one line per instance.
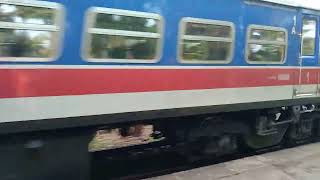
(307, 85)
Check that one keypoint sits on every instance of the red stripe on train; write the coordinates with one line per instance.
(60, 82)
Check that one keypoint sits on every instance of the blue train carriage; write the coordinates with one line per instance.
(69, 67)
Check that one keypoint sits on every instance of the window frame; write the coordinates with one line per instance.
(58, 28)
(265, 42)
(89, 25)
(182, 35)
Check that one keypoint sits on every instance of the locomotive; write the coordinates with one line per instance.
(227, 71)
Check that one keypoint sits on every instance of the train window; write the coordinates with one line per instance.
(122, 36)
(309, 37)
(29, 30)
(266, 45)
(205, 41)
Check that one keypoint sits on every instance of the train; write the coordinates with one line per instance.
(220, 70)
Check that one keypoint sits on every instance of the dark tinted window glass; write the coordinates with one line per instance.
(269, 53)
(25, 43)
(27, 15)
(198, 29)
(205, 50)
(309, 37)
(122, 47)
(118, 22)
(267, 35)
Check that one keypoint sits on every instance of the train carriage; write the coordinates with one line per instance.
(68, 68)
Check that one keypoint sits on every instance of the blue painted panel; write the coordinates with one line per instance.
(240, 13)
(276, 17)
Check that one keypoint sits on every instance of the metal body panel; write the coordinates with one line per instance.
(237, 12)
(47, 90)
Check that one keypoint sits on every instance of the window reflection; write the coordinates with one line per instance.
(198, 29)
(268, 35)
(206, 41)
(128, 23)
(266, 45)
(269, 53)
(122, 38)
(26, 14)
(309, 37)
(205, 50)
(25, 43)
(121, 47)
(29, 39)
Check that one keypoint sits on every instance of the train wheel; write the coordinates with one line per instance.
(304, 129)
(255, 141)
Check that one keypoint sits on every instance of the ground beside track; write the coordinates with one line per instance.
(299, 163)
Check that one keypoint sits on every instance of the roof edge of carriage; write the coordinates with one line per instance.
(308, 4)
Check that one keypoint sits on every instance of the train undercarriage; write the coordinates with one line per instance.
(67, 153)
(223, 133)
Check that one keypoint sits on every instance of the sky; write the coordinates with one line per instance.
(311, 3)
(314, 4)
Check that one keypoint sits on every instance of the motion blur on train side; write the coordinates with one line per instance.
(209, 76)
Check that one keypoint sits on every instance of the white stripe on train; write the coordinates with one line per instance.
(35, 108)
